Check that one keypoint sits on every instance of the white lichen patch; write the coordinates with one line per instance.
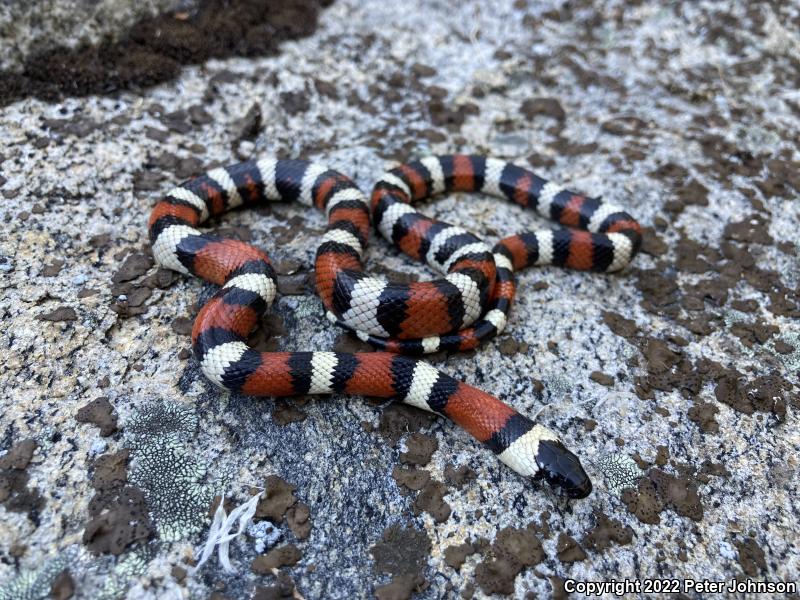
(36, 583)
(167, 467)
(128, 566)
(620, 471)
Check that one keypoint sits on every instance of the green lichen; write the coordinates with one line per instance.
(26, 586)
(620, 471)
(33, 585)
(133, 564)
(167, 467)
(161, 419)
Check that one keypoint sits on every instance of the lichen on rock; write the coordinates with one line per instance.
(167, 467)
(36, 584)
(620, 471)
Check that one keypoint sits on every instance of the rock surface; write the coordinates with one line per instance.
(675, 380)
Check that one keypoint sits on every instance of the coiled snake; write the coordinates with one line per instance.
(467, 306)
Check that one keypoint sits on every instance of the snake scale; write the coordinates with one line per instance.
(466, 306)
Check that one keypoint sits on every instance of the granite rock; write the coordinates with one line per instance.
(675, 380)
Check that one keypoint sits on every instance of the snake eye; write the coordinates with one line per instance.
(561, 468)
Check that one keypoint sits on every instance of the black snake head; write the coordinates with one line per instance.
(561, 468)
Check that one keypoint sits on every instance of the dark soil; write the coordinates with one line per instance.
(155, 49)
(14, 492)
(402, 553)
(99, 412)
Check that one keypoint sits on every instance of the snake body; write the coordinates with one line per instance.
(469, 304)
(603, 238)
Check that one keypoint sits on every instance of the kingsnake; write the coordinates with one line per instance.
(409, 318)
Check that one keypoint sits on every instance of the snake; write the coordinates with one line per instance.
(456, 312)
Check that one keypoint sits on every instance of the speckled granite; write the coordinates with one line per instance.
(676, 379)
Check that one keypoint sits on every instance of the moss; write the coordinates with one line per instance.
(277, 499)
(124, 523)
(606, 531)
(513, 550)
(402, 551)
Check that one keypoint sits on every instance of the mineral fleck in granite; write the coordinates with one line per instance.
(676, 380)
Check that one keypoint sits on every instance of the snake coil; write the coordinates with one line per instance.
(467, 306)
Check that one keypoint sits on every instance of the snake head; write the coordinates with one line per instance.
(561, 468)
